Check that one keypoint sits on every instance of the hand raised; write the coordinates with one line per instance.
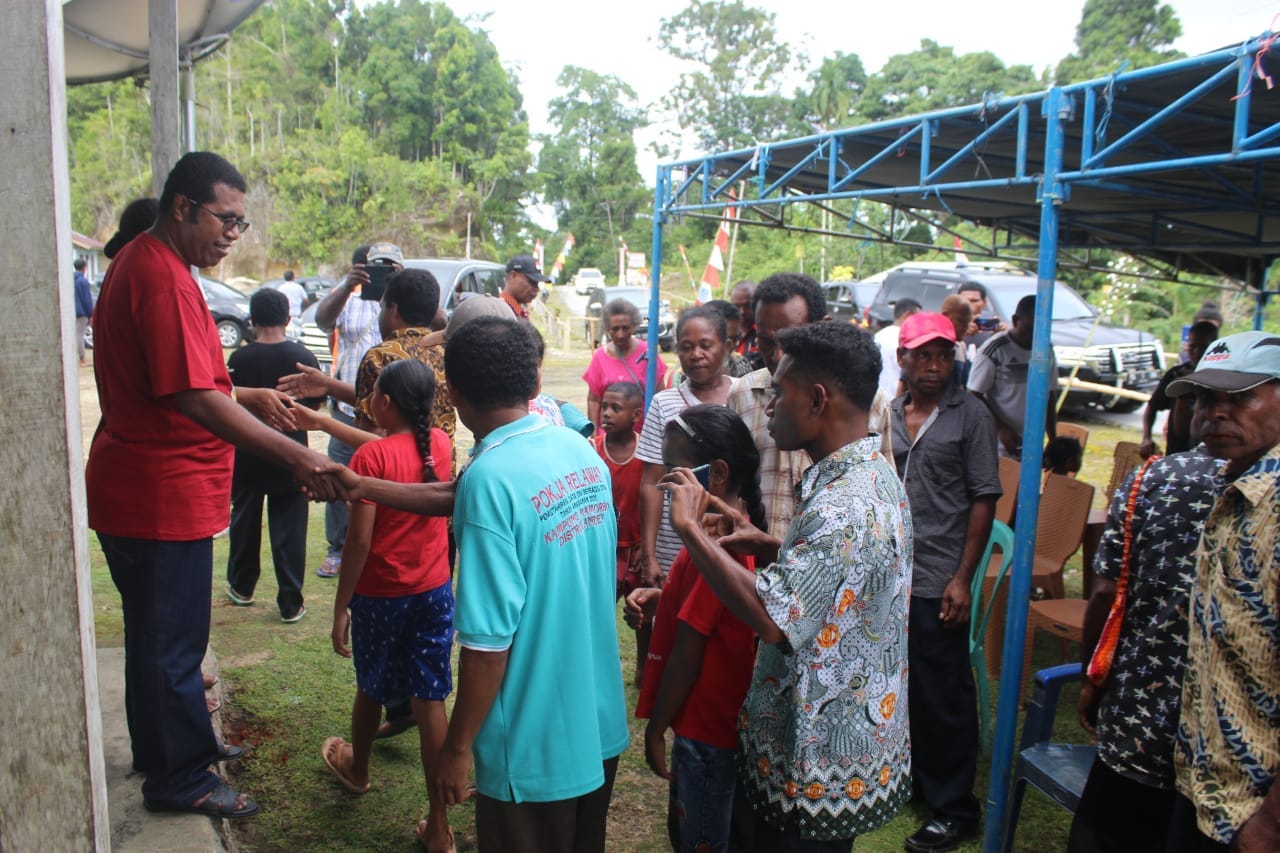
(307, 383)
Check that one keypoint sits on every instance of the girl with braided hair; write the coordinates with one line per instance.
(701, 655)
(394, 597)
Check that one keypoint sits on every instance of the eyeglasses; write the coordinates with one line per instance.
(228, 220)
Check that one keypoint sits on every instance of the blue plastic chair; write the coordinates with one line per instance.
(980, 616)
(1057, 769)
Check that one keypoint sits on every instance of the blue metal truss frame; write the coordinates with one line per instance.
(1190, 182)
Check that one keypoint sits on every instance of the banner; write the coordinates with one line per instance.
(558, 266)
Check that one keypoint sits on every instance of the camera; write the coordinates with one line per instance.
(377, 285)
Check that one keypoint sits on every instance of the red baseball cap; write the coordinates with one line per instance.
(924, 326)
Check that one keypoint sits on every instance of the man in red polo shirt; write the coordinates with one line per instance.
(159, 475)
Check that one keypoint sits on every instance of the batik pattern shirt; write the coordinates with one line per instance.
(824, 729)
(1228, 749)
(1138, 713)
(780, 470)
(405, 343)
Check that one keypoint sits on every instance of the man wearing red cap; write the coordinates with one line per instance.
(944, 443)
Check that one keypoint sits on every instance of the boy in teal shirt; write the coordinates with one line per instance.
(540, 701)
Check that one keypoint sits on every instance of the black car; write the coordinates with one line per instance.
(316, 286)
(230, 309)
(1096, 351)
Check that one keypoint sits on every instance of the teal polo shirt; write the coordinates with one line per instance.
(537, 537)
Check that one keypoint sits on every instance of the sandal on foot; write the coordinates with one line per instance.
(209, 679)
(212, 703)
(421, 834)
(230, 752)
(224, 802)
(331, 752)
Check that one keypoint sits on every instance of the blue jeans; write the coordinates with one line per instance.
(335, 512)
(164, 591)
(703, 790)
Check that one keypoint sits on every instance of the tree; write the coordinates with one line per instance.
(587, 167)
(1114, 32)
(833, 91)
(933, 78)
(732, 99)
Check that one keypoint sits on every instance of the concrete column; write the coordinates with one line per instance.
(166, 107)
(52, 785)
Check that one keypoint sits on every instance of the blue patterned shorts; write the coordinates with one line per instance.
(401, 645)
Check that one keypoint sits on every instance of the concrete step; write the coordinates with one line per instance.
(133, 828)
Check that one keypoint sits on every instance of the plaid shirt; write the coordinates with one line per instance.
(405, 343)
(355, 331)
(780, 470)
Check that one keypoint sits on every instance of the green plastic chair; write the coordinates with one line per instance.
(980, 615)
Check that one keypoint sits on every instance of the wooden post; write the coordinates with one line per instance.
(53, 793)
(166, 109)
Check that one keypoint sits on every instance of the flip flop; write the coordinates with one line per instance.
(224, 802)
(209, 680)
(331, 752)
(213, 703)
(421, 834)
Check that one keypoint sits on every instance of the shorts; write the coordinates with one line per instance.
(628, 577)
(401, 645)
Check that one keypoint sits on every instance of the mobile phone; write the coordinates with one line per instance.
(377, 281)
(703, 473)
(987, 324)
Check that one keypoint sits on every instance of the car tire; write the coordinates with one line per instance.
(230, 334)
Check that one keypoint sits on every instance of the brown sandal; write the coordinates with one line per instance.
(421, 834)
(331, 752)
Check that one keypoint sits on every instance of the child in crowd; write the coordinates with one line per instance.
(620, 408)
(394, 595)
(701, 655)
(1064, 455)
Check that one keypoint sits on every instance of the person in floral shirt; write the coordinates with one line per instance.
(823, 731)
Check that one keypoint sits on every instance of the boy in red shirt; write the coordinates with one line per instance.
(620, 407)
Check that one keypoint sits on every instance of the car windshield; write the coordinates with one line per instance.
(1067, 304)
(214, 289)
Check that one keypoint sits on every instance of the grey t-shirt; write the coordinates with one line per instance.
(999, 373)
(952, 462)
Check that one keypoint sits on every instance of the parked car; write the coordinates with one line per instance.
(462, 278)
(316, 287)
(849, 300)
(1097, 351)
(230, 309)
(598, 298)
(587, 279)
(305, 331)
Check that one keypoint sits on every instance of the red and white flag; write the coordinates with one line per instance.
(556, 268)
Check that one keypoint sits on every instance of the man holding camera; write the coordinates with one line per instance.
(353, 325)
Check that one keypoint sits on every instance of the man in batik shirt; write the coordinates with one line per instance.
(1228, 752)
(823, 729)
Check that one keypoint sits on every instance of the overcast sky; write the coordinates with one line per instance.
(620, 38)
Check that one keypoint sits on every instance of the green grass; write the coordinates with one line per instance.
(285, 691)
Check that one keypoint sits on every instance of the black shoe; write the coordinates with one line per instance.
(941, 834)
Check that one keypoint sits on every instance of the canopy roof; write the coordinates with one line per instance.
(107, 39)
(1175, 164)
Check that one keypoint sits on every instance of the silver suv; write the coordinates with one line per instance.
(1098, 352)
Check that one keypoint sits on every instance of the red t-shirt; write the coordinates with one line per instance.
(710, 714)
(154, 473)
(408, 553)
(626, 492)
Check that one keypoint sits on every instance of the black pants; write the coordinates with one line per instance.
(943, 706)
(749, 832)
(1119, 815)
(164, 592)
(575, 825)
(287, 528)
